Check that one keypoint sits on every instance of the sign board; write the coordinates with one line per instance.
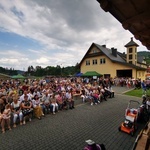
(94, 77)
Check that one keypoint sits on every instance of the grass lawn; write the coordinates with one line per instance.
(136, 92)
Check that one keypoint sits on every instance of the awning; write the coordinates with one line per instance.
(91, 73)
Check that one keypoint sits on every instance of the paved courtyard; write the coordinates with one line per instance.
(68, 129)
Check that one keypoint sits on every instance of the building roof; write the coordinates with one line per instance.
(134, 15)
(109, 54)
(131, 43)
(119, 58)
(140, 59)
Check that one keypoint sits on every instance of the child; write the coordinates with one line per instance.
(6, 117)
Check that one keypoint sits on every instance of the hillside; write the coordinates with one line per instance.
(144, 53)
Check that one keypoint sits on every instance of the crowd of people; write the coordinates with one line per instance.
(20, 101)
(132, 83)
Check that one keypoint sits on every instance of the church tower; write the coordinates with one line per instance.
(131, 52)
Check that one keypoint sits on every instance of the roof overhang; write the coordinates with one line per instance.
(134, 15)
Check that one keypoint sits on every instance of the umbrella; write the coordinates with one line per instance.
(19, 76)
(91, 73)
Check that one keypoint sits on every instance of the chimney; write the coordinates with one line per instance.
(104, 46)
(114, 51)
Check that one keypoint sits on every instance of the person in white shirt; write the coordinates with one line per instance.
(16, 110)
(36, 92)
(25, 93)
(46, 102)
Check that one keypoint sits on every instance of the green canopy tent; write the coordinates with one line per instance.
(91, 74)
(19, 76)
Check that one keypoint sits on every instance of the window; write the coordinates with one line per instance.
(130, 50)
(94, 61)
(87, 62)
(130, 62)
(130, 56)
(94, 51)
(102, 61)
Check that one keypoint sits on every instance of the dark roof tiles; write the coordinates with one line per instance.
(131, 43)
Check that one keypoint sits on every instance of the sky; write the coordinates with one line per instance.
(55, 32)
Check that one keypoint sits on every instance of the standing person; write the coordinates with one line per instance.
(6, 117)
(128, 83)
(143, 85)
(16, 110)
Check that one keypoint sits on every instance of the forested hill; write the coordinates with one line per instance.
(146, 54)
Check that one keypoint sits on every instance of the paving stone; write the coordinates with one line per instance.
(68, 129)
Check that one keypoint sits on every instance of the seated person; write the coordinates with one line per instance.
(16, 110)
(91, 98)
(70, 100)
(59, 100)
(108, 92)
(84, 94)
(95, 98)
(45, 102)
(37, 107)
(53, 105)
(27, 109)
(65, 102)
(103, 93)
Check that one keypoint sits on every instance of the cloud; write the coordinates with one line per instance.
(64, 29)
(42, 61)
(12, 54)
